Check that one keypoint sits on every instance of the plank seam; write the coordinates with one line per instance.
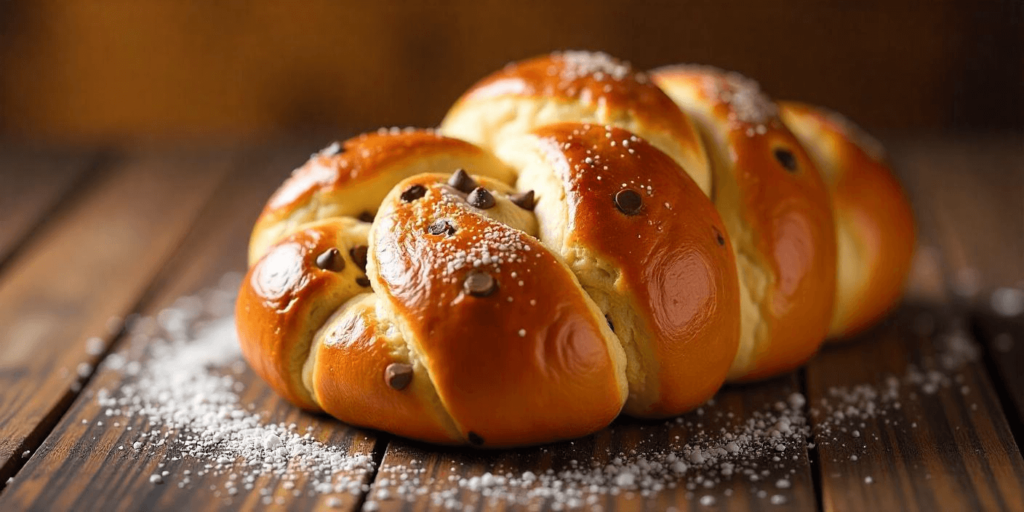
(44, 428)
(813, 458)
(380, 446)
(1002, 391)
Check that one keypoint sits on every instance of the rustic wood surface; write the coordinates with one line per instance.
(34, 182)
(944, 436)
(73, 281)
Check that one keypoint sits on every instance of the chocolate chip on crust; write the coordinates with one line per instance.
(479, 284)
(413, 193)
(523, 200)
(719, 236)
(786, 158)
(441, 227)
(358, 254)
(628, 201)
(461, 181)
(331, 260)
(481, 198)
(398, 375)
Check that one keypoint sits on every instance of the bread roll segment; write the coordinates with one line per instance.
(350, 179)
(874, 221)
(577, 87)
(777, 211)
(647, 246)
(285, 299)
(600, 253)
(519, 354)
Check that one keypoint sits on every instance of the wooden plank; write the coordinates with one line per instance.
(970, 189)
(78, 277)
(978, 216)
(1005, 340)
(588, 473)
(83, 457)
(906, 417)
(33, 183)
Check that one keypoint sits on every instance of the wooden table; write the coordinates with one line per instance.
(89, 238)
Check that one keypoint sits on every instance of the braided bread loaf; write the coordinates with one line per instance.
(566, 251)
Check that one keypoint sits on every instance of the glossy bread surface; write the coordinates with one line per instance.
(874, 221)
(581, 87)
(663, 274)
(529, 361)
(286, 297)
(350, 179)
(778, 212)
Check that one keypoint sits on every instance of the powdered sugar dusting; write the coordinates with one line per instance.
(756, 453)
(749, 106)
(596, 65)
(185, 386)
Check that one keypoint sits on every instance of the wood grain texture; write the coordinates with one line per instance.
(735, 405)
(1004, 338)
(82, 456)
(976, 210)
(907, 419)
(947, 445)
(32, 183)
(91, 266)
(906, 416)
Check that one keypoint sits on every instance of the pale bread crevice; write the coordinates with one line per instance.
(368, 195)
(497, 120)
(597, 279)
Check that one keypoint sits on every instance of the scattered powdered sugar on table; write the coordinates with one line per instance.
(181, 379)
(184, 386)
(846, 411)
(757, 453)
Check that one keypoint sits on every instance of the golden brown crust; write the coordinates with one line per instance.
(577, 87)
(525, 363)
(777, 208)
(285, 298)
(874, 220)
(350, 179)
(350, 382)
(676, 268)
(457, 309)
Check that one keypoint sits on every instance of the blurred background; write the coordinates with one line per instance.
(171, 70)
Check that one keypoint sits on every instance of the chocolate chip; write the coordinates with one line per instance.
(481, 198)
(441, 227)
(786, 158)
(413, 193)
(366, 217)
(523, 200)
(719, 237)
(461, 181)
(610, 324)
(475, 439)
(358, 254)
(331, 260)
(479, 284)
(363, 281)
(628, 201)
(398, 375)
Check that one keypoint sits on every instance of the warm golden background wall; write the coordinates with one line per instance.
(97, 71)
